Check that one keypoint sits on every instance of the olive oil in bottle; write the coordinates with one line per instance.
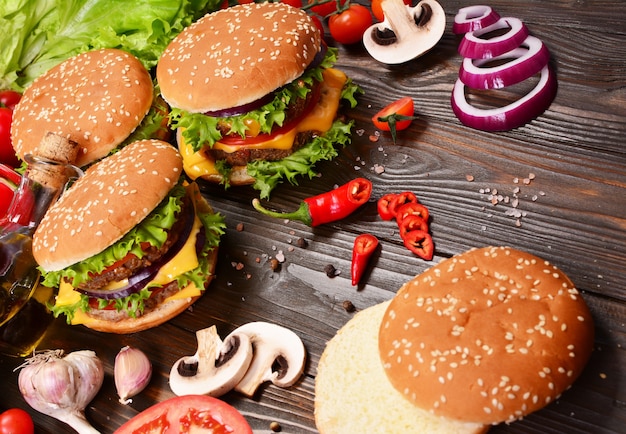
(45, 178)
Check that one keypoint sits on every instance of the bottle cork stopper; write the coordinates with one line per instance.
(59, 152)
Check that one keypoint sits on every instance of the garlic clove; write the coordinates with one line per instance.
(132, 373)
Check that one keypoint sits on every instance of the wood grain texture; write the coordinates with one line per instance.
(572, 213)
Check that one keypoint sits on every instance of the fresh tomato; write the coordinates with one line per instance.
(16, 421)
(347, 27)
(318, 24)
(9, 98)
(294, 3)
(395, 113)
(7, 154)
(377, 8)
(324, 8)
(189, 413)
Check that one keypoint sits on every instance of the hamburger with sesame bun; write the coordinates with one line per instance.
(253, 96)
(100, 99)
(485, 337)
(129, 244)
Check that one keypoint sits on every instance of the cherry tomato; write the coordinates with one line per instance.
(318, 24)
(294, 3)
(16, 421)
(348, 26)
(403, 107)
(9, 98)
(325, 8)
(377, 8)
(411, 208)
(189, 413)
(7, 154)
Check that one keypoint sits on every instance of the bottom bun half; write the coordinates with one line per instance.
(164, 311)
(353, 394)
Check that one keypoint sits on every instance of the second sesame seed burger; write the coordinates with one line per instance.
(99, 99)
(254, 97)
(487, 336)
(129, 245)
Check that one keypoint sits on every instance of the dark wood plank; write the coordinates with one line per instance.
(573, 213)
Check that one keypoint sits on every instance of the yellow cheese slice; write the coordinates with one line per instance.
(197, 164)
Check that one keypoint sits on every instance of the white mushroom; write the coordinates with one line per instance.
(406, 32)
(279, 356)
(215, 368)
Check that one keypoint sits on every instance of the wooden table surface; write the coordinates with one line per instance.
(573, 213)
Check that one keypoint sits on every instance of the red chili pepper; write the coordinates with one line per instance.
(383, 206)
(411, 208)
(412, 223)
(401, 199)
(327, 207)
(421, 243)
(364, 246)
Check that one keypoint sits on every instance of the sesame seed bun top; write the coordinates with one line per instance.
(96, 99)
(236, 55)
(112, 197)
(486, 336)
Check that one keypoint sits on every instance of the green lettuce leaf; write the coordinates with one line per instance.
(201, 130)
(150, 230)
(39, 34)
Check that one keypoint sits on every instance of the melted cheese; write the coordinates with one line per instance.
(185, 260)
(197, 164)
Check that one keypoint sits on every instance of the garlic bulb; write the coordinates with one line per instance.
(132, 373)
(62, 386)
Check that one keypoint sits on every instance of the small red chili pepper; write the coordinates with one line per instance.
(401, 199)
(421, 243)
(383, 206)
(364, 246)
(411, 208)
(327, 207)
(412, 223)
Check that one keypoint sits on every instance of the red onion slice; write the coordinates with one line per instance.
(475, 47)
(138, 281)
(529, 59)
(511, 116)
(473, 18)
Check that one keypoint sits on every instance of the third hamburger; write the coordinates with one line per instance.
(129, 244)
(253, 95)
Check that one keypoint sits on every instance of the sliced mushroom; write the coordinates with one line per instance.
(279, 356)
(407, 32)
(215, 368)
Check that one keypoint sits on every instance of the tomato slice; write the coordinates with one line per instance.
(237, 140)
(402, 107)
(188, 414)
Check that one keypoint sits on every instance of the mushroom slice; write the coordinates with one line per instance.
(406, 33)
(215, 368)
(279, 356)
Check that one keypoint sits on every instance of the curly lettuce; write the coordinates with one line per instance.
(39, 34)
